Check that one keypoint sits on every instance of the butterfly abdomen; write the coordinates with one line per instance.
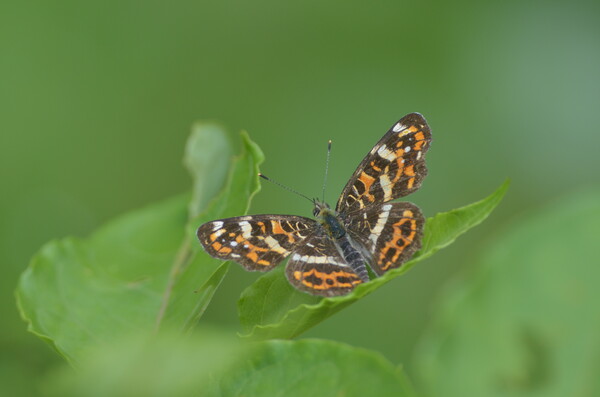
(335, 229)
(353, 258)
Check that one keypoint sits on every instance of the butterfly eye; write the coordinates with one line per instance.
(316, 211)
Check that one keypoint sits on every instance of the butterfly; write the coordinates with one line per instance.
(329, 255)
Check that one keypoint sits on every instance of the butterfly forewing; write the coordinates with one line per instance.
(318, 268)
(391, 232)
(256, 242)
(394, 167)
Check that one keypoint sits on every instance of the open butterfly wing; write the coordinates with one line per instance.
(394, 167)
(257, 242)
(318, 268)
(390, 232)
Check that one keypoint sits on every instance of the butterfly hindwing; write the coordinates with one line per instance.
(394, 167)
(256, 242)
(391, 232)
(317, 267)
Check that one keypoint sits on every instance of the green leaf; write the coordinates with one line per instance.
(145, 364)
(193, 280)
(138, 272)
(207, 154)
(315, 368)
(527, 322)
(211, 365)
(271, 308)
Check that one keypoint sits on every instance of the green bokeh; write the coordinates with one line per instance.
(98, 98)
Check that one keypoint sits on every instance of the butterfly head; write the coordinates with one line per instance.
(321, 208)
(329, 219)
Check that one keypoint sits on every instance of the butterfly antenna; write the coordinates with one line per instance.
(326, 167)
(289, 189)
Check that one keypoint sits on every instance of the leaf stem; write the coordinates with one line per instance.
(181, 258)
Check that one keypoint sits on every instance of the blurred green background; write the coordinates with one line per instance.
(97, 99)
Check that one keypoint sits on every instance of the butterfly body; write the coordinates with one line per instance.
(329, 255)
(335, 230)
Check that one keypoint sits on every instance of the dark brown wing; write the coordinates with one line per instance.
(318, 268)
(390, 232)
(257, 242)
(394, 167)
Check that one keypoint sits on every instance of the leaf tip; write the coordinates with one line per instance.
(505, 185)
(253, 148)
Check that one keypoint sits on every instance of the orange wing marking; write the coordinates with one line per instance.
(252, 254)
(375, 167)
(410, 171)
(367, 180)
(409, 130)
(325, 277)
(277, 229)
(394, 243)
(400, 162)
